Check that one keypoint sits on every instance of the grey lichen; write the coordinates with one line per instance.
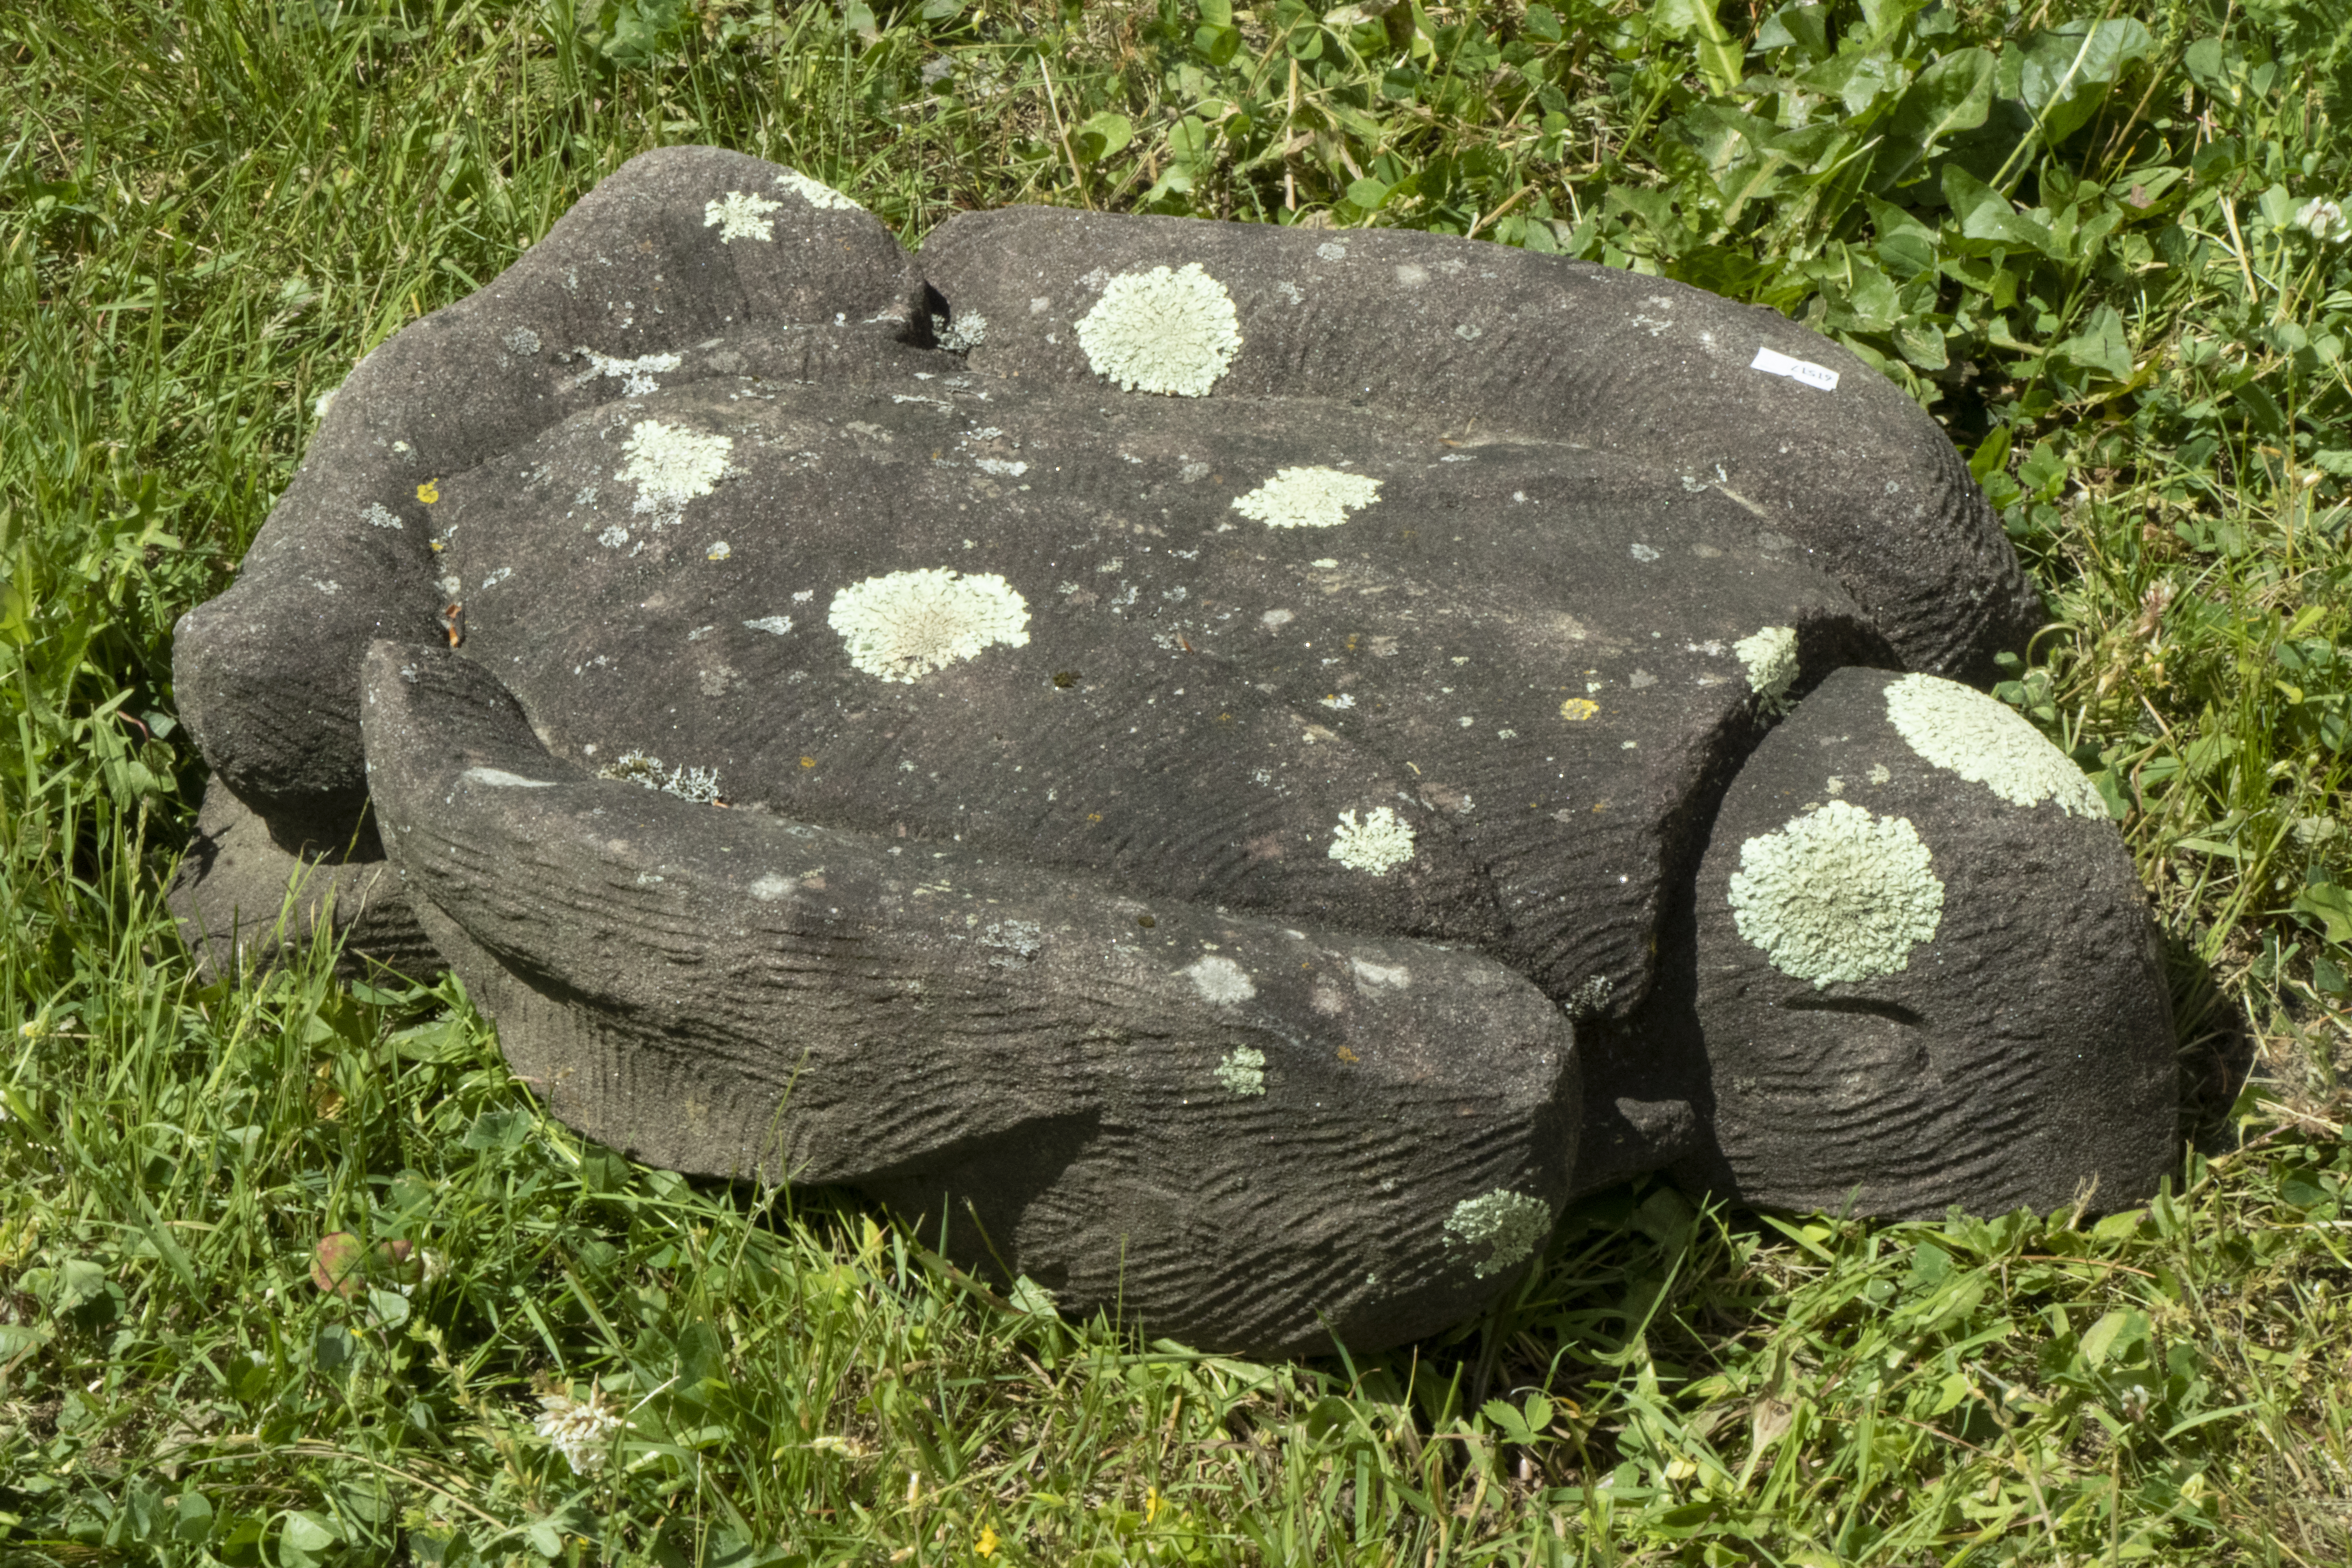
(961, 335)
(670, 465)
(1308, 498)
(1377, 845)
(1591, 997)
(739, 214)
(1838, 894)
(904, 624)
(635, 375)
(1243, 1071)
(1985, 742)
(1771, 658)
(698, 785)
(1501, 1229)
(1220, 980)
(499, 778)
(1163, 331)
(817, 193)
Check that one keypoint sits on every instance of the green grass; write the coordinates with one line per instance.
(2080, 249)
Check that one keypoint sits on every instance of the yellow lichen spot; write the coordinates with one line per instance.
(1577, 710)
(429, 492)
(1094, 817)
(1346, 1055)
(808, 762)
(439, 547)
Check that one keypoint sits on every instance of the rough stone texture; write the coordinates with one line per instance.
(267, 673)
(2021, 1054)
(1164, 835)
(1415, 659)
(732, 991)
(249, 882)
(1492, 343)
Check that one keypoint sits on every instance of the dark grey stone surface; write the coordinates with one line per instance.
(2024, 1051)
(259, 899)
(1249, 1132)
(1487, 343)
(1415, 659)
(267, 673)
(1173, 839)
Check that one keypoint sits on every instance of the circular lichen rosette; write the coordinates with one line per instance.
(1168, 330)
(905, 625)
(1838, 894)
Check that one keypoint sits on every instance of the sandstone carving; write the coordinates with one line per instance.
(1229, 770)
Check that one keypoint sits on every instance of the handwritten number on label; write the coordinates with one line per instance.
(1775, 363)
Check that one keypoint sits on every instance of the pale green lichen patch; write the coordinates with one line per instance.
(1500, 1229)
(1220, 980)
(741, 215)
(499, 778)
(1985, 742)
(1308, 498)
(1838, 894)
(1771, 658)
(1163, 331)
(962, 335)
(635, 375)
(670, 465)
(1378, 844)
(905, 625)
(816, 193)
(1243, 1071)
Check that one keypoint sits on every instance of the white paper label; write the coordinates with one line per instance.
(1812, 375)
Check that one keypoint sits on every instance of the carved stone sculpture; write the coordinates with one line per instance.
(1230, 770)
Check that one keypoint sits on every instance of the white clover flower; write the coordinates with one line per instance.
(1986, 741)
(1308, 498)
(1507, 1226)
(738, 215)
(577, 1429)
(1837, 894)
(670, 465)
(2323, 220)
(1771, 658)
(903, 625)
(1162, 331)
(1379, 844)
